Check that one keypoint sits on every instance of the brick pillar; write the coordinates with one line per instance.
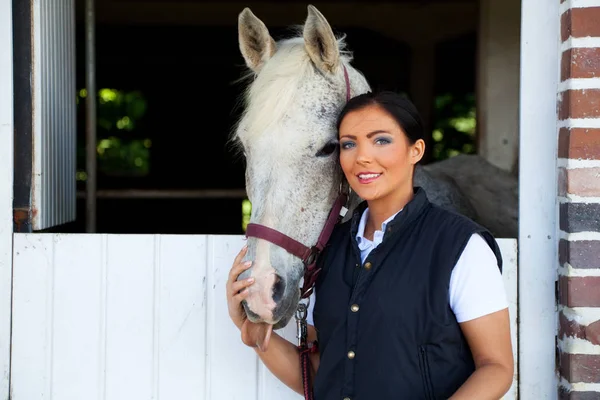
(579, 195)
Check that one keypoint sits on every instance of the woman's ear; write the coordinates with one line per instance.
(417, 150)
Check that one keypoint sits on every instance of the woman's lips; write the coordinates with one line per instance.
(367, 177)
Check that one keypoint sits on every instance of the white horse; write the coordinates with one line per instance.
(288, 136)
(287, 132)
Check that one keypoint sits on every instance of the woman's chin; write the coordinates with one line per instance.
(367, 195)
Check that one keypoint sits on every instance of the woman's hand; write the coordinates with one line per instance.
(236, 290)
(253, 335)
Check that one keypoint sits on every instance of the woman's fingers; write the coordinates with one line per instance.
(239, 285)
(235, 271)
(238, 267)
(241, 296)
(240, 256)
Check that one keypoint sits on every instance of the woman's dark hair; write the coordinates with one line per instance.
(396, 105)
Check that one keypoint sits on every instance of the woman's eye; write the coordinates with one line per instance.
(347, 145)
(328, 149)
(383, 141)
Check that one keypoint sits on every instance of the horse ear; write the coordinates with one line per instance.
(256, 44)
(320, 41)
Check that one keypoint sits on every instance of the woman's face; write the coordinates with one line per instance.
(376, 155)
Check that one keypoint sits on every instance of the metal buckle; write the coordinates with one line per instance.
(312, 256)
(301, 326)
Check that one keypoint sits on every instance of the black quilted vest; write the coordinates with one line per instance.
(385, 328)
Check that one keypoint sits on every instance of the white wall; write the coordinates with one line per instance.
(6, 190)
(139, 317)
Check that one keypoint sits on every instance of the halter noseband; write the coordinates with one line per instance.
(308, 255)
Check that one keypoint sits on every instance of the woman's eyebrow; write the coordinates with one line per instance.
(369, 135)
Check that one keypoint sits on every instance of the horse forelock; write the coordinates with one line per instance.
(271, 93)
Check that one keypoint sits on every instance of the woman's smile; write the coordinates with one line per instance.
(367, 177)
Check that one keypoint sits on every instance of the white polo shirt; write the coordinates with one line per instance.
(476, 285)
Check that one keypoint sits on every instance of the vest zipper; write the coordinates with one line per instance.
(425, 373)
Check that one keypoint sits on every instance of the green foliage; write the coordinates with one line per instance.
(130, 158)
(118, 114)
(454, 128)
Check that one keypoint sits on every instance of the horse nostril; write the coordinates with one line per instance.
(278, 288)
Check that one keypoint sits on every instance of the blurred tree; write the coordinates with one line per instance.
(454, 126)
(120, 153)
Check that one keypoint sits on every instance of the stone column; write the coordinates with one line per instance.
(498, 61)
(579, 201)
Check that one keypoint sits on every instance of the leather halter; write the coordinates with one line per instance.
(308, 255)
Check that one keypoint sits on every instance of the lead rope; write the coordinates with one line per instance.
(305, 350)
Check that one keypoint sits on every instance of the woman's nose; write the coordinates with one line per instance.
(363, 157)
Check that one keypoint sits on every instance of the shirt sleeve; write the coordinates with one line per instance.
(311, 306)
(476, 284)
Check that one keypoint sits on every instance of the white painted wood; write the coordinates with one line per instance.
(31, 367)
(538, 233)
(181, 340)
(6, 190)
(130, 310)
(140, 317)
(231, 366)
(76, 300)
(509, 250)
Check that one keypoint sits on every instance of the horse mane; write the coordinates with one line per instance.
(270, 94)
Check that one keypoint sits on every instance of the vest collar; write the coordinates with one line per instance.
(410, 212)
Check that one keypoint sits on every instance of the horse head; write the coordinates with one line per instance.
(288, 136)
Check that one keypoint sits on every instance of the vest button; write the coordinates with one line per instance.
(354, 307)
(351, 354)
(368, 265)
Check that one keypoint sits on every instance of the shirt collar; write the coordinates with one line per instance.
(364, 243)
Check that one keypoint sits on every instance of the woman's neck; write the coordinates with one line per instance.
(381, 209)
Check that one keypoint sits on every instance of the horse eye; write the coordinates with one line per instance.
(328, 149)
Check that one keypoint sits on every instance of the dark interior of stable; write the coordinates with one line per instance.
(176, 85)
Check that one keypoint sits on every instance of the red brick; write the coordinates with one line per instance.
(570, 328)
(580, 367)
(579, 143)
(580, 63)
(592, 332)
(580, 253)
(573, 329)
(579, 104)
(580, 22)
(583, 181)
(579, 291)
(564, 394)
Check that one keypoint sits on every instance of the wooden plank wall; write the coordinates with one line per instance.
(138, 317)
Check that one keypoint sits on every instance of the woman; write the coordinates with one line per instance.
(410, 303)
